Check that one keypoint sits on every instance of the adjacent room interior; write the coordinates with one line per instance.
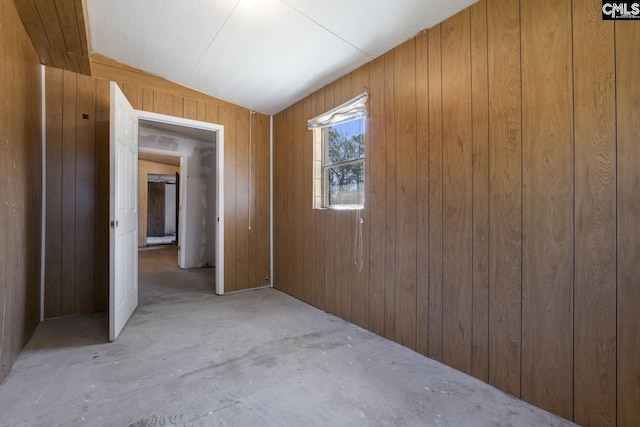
(415, 212)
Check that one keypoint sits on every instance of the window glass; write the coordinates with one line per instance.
(344, 164)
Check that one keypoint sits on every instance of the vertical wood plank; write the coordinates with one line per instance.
(212, 113)
(278, 200)
(505, 158)
(360, 276)
(102, 196)
(377, 200)
(457, 268)
(178, 106)
(148, 102)
(5, 356)
(162, 103)
(69, 111)
(480, 125)
(390, 192)
(262, 196)
(252, 200)
(435, 192)
(241, 218)
(227, 115)
(133, 94)
(288, 157)
(547, 244)
(298, 182)
(53, 249)
(422, 182)
(595, 213)
(201, 108)
(628, 99)
(306, 178)
(319, 224)
(85, 195)
(190, 109)
(406, 193)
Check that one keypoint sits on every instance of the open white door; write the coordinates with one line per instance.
(123, 212)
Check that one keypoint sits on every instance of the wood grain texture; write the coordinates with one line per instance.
(506, 323)
(155, 209)
(68, 223)
(457, 248)
(279, 189)
(53, 237)
(228, 115)
(85, 194)
(156, 95)
(595, 214)
(298, 201)
(6, 356)
(406, 194)
(390, 197)
(435, 193)
(58, 31)
(505, 226)
(241, 217)
(190, 109)
(148, 101)
(360, 261)
(162, 103)
(262, 197)
(480, 129)
(422, 183)
(306, 203)
(287, 155)
(133, 94)
(20, 186)
(376, 163)
(628, 101)
(547, 205)
(101, 253)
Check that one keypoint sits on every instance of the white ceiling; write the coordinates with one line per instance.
(261, 54)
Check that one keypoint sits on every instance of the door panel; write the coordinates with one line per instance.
(123, 210)
(156, 209)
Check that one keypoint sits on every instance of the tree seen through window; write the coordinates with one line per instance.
(344, 163)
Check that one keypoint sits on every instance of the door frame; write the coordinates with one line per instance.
(219, 130)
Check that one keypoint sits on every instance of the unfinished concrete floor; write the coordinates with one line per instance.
(260, 358)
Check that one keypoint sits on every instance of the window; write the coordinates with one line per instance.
(339, 137)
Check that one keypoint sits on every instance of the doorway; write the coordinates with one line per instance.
(162, 209)
(123, 204)
(199, 148)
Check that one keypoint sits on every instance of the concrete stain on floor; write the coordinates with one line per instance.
(190, 358)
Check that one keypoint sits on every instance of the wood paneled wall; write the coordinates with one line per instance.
(77, 246)
(58, 31)
(20, 186)
(501, 218)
